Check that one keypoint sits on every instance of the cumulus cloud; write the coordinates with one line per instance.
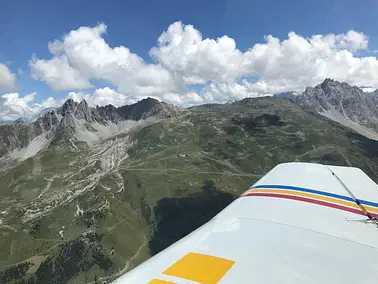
(225, 92)
(105, 96)
(351, 41)
(297, 62)
(183, 51)
(83, 54)
(7, 78)
(183, 57)
(101, 97)
(13, 106)
(58, 73)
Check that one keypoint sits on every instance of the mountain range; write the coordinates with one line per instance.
(86, 193)
(76, 123)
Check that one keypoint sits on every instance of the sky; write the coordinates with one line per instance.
(182, 52)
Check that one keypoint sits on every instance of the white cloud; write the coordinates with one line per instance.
(298, 62)
(46, 103)
(183, 57)
(101, 97)
(150, 80)
(224, 92)
(367, 89)
(182, 50)
(14, 106)
(352, 41)
(7, 78)
(83, 55)
(58, 73)
(105, 96)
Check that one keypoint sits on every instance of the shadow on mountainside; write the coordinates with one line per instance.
(367, 146)
(177, 217)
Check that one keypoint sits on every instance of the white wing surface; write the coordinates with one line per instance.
(301, 223)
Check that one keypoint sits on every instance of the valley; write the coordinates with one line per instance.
(79, 212)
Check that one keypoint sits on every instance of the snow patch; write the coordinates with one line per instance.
(36, 145)
(368, 89)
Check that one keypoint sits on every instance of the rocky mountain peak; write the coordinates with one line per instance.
(69, 106)
(145, 108)
(149, 102)
(341, 90)
(329, 83)
(344, 103)
(83, 111)
(332, 94)
(108, 112)
(79, 110)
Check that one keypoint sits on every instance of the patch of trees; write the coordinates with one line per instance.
(14, 273)
(250, 123)
(75, 256)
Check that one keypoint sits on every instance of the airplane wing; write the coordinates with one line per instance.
(300, 223)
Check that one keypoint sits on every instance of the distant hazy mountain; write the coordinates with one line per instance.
(40, 114)
(286, 95)
(343, 103)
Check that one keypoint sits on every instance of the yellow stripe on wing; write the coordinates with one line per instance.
(304, 194)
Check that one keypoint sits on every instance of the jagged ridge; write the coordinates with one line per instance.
(75, 121)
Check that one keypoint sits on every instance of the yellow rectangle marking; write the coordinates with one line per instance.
(201, 268)
(158, 281)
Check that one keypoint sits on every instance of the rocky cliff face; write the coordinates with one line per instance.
(75, 121)
(346, 104)
(18, 136)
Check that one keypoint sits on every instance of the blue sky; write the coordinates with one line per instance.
(26, 27)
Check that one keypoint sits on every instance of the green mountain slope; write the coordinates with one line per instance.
(91, 214)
